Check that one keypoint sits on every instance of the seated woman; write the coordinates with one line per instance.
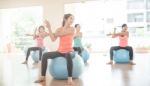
(65, 33)
(78, 40)
(123, 43)
(39, 37)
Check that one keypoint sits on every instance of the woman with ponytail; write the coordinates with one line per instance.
(65, 34)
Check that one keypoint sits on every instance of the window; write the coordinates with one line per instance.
(18, 22)
(110, 20)
(132, 30)
(148, 17)
(148, 4)
(148, 27)
(136, 17)
(135, 4)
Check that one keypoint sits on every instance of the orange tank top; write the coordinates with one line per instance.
(123, 41)
(65, 44)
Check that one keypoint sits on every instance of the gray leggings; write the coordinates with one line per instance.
(34, 49)
(78, 49)
(52, 55)
(128, 48)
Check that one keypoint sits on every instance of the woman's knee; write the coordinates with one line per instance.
(130, 48)
(45, 56)
(40, 49)
(112, 48)
(68, 57)
(29, 49)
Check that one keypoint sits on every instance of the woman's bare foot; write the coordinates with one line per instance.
(41, 79)
(111, 62)
(132, 63)
(70, 82)
(25, 62)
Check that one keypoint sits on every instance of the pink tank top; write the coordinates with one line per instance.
(65, 44)
(123, 41)
(40, 42)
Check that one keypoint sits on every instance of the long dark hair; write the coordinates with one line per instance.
(66, 16)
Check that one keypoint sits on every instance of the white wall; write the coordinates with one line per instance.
(53, 10)
(18, 3)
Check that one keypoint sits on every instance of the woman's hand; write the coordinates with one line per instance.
(47, 24)
(115, 29)
(52, 36)
(28, 34)
(109, 34)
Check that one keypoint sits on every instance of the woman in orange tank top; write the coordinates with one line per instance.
(65, 34)
(123, 43)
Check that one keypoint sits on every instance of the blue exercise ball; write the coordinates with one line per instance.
(58, 67)
(35, 54)
(85, 55)
(121, 56)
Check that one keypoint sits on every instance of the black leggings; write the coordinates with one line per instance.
(34, 49)
(78, 49)
(129, 48)
(52, 55)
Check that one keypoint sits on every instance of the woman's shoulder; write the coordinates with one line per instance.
(80, 33)
(59, 29)
(127, 31)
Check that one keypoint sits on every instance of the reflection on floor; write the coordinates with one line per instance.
(96, 73)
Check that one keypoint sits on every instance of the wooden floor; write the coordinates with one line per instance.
(96, 73)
